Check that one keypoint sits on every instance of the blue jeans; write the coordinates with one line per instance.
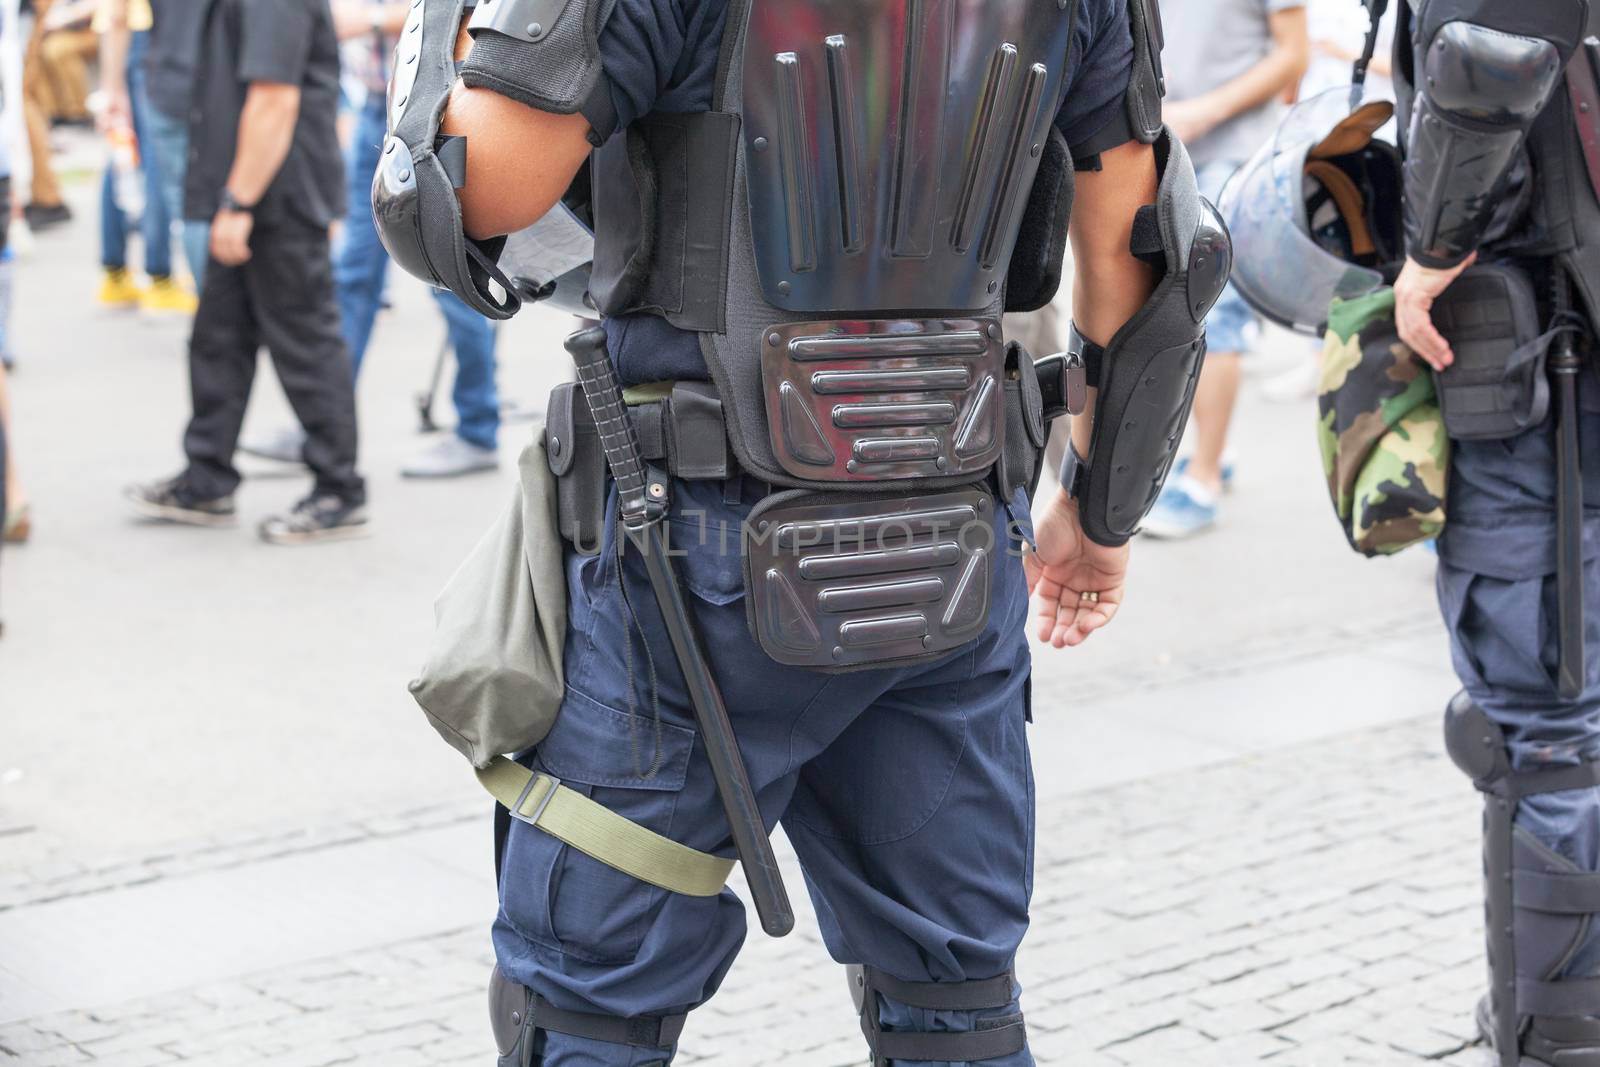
(360, 266)
(1231, 321)
(1497, 589)
(169, 143)
(156, 226)
(906, 792)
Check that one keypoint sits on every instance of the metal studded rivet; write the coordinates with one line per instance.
(405, 175)
(1035, 150)
(658, 490)
(773, 339)
(994, 331)
(993, 288)
(942, 463)
(852, 466)
(1150, 380)
(784, 287)
(516, 1018)
(534, 29)
(388, 149)
(555, 446)
(838, 652)
(761, 144)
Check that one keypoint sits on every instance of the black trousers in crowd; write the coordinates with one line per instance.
(282, 297)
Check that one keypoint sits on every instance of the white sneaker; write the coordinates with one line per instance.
(286, 445)
(1293, 386)
(450, 457)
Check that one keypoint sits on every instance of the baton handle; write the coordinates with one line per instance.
(617, 435)
(1565, 366)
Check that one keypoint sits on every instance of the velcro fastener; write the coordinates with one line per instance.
(1557, 893)
(994, 992)
(1571, 998)
(1550, 780)
(640, 1031)
(971, 1046)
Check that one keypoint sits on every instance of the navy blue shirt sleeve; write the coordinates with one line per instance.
(1101, 64)
(661, 55)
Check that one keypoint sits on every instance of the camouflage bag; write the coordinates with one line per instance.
(1384, 448)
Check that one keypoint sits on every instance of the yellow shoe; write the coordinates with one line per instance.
(167, 297)
(117, 289)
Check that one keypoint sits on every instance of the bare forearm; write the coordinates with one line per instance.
(1109, 285)
(266, 131)
(114, 50)
(1277, 72)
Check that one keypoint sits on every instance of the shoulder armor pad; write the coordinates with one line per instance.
(543, 53)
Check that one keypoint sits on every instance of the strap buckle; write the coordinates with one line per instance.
(544, 801)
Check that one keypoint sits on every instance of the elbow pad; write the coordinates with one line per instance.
(414, 201)
(1146, 375)
(1479, 91)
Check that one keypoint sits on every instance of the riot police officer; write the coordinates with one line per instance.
(809, 217)
(1498, 101)
(1494, 251)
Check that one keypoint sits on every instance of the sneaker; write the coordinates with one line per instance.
(166, 297)
(174, 500)
(19, 525)
(1184, 509)
(451, 457)
(1295, 385)
(44, 216)
(117, 289)
(287, 445)
(1228, 471)
(319, 517)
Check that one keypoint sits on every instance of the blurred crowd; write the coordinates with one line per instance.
(239, 143)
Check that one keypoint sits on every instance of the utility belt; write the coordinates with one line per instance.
(836, 579)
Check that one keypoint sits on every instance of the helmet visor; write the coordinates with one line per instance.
(1279, 270)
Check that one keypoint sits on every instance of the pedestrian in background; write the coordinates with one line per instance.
(44, 206)
(1234, 64)
(361, 266)
(131, 168)
(147, 78)
(265, 168)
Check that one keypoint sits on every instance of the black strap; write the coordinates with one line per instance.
(1557, 893)
(452, 153)
(1571, 998)
(642, 1031)
(1551, 780)
(1093, 356)
(943, 996)
(1005, 1040)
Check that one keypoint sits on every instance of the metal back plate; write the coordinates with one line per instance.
(882, 399)
(837, 581)
(891, 145)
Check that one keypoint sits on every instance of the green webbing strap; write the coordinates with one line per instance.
(599, 832)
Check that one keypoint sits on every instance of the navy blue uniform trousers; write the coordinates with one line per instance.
(907, 794)
(1497, 589)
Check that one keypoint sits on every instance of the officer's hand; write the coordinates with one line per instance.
(230, 237)
(1067, 565)
(1414, 293)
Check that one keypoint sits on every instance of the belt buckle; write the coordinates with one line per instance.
(544, 802)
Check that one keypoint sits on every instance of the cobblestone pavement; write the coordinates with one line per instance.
(1313, 907)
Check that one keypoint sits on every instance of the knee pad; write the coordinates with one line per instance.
(517, 1014)
(990, 1038)
(1475, 742)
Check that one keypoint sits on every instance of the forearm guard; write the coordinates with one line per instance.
(1486, 70)
(414, 201)
(1146, 375)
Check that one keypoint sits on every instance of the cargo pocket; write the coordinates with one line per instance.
(569, 901)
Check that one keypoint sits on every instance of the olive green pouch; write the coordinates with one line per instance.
(1385, 452)
(493, 680)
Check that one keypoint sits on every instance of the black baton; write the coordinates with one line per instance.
(1565, 366)
(642, 502)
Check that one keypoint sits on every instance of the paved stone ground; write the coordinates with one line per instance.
(1311, 907)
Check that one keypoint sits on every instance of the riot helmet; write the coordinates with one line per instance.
(1315, 215)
